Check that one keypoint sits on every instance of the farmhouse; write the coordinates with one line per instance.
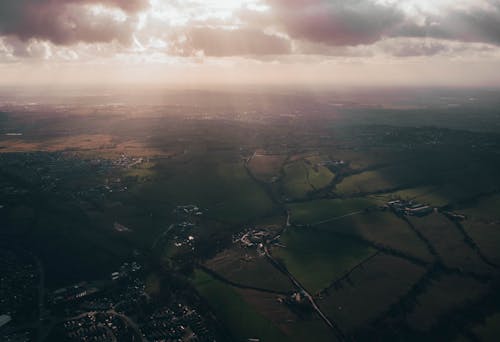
(410, 208)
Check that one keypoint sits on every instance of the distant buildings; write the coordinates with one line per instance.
(176, 323)
(72, 293)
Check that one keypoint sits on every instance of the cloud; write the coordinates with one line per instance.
(428, 47)
(338, 23)
(222, 42)
(66, 22)
(476, 24)
(335, 22)
(274, 30)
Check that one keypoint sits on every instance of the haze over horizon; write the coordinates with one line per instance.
(345, 43)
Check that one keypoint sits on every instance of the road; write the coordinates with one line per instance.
(338, 333)
(161, 236)
(337, 218)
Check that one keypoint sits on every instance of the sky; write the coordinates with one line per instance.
(351, 42)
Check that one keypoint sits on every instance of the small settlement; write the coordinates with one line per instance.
(256, 238)
(410, 208)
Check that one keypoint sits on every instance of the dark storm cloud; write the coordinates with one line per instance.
(65, 21)
(335, 22)
(220, 42)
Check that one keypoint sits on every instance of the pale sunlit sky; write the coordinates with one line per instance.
(354, 42)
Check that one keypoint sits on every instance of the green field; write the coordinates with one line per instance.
(383, 228)
(486, 209)
(490, 329)
(369, 291)
(314, 167)
(245, 266)
(295, 182)
(225, 190)
(381, 179)
(368, 181)
(317, 258)
(425, 194)
(313, 330)
(265, 167)
(449, 243)
(319, 176)
(302, 177)
(483, 225)
(487, 238)
(234, 312)
(444, 295)
(315, 211)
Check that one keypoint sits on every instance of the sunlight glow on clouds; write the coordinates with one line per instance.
(205, 33)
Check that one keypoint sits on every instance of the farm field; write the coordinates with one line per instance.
(225, 191)
(441, 297)
(319, 175)
(245, 266)
(489, 330)
(295, 326)
(384, 229)
(252, 314)
(376, 181)
(483, 225)
(302, 177)
(485, 209)
(445, 172)
(317, 258)
(426, 194)
(238, 215)
(239, 316)
(370, 290)
(264, 167)
(450, 243)
(487, 238)
(314, 212)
